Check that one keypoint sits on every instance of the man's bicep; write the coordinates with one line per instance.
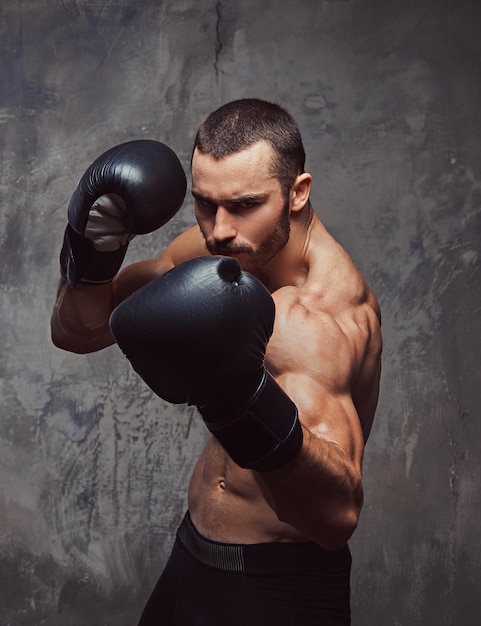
(328, 415)
(137, 275)
(185, 246)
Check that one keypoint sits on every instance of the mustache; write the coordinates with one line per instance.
(226, 248)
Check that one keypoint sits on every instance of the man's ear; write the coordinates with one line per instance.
(300, 191)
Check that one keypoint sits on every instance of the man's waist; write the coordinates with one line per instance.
(259, 557)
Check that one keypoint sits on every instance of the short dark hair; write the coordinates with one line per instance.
(241, 123)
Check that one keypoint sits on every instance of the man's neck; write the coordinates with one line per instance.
(290, 266)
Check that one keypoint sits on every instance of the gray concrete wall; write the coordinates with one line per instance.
(93, 469)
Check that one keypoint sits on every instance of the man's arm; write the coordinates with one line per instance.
(318, 362)
(80, 317)
(320, 492)
(131, 189)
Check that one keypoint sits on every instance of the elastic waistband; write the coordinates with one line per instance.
(259, 557)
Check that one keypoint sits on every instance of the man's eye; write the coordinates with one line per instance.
(205, 205)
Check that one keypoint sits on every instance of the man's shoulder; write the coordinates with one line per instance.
(334, 305)
(337, 285)
(339, 291)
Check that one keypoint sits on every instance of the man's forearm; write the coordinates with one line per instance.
(319, 492)
(79, 321)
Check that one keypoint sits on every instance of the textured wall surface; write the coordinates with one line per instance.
(93, 469)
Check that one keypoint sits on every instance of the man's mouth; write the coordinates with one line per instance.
(222, 252)
(228, 250)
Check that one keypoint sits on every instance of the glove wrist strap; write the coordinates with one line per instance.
(80, 262)
(265, 434)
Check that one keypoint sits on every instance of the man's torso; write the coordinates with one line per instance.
(331, 313)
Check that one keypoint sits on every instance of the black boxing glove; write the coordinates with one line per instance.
(198, 334)
(133, 188)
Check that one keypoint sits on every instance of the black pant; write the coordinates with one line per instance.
(279, 584)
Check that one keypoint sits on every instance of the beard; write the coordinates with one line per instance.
(253, 260)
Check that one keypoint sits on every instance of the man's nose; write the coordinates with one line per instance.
(224, 225)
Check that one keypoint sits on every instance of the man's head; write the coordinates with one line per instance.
(242, 123)
(248, 180)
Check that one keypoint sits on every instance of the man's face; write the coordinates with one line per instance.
(240, 207)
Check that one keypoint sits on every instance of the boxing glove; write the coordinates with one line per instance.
(133, 188)
(198, 334)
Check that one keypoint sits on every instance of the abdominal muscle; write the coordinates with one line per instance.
(227, 505)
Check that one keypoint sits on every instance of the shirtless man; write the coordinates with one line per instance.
(264, 541)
